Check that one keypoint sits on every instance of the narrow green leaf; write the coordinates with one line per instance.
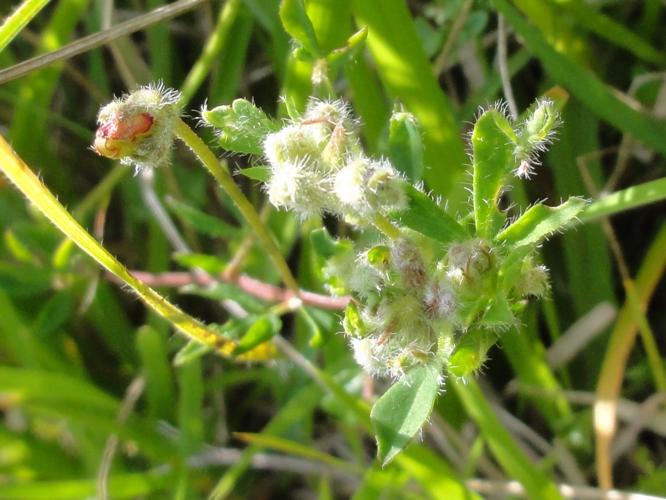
(227, 76)
(434, 474)
(528, 361)
(294, 448)
(219, 40)
(332, 24)
(17, 342)
(387, 482)
(18, 20)
(326, 246)
(160, 48)
(369, 100)
(401, 412)
(586, 254)
(266, 14)
(27, 134)
(295, 411)
(405, 147)
(406, 73)
(201, 221)
(36, 385)
(540, 222)
(498, 315)
(151, 346)
(504, 448)
(591, 19)
(626, 199)
(18, 279)
(426, 217)
(259, 173)
(18, 249)
(209, 263)
(318, 336)
(296, 22)
(190, 405)
(262, 330)
(52, 315)
(493, 150)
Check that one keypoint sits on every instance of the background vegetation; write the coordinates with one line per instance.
(99, 398)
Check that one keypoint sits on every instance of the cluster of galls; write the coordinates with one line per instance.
(317, 165)
(414, 302)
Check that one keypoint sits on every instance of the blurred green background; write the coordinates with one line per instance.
(92, 404)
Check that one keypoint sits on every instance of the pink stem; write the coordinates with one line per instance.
(259, 289)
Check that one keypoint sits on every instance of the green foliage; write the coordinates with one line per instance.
(403, 409)
(413, 259)
(241, 126)
(540, 222)
(405, 145)
(493, 148)
(425, 216)
(418, 303)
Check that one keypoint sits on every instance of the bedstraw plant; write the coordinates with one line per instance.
(360, 266)
(431, 291)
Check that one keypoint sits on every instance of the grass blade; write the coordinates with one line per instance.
(506, 451)
(406, 73)
(591, 19)
(627, 199)
(617, 354)
(585, 85)
(19, 19)
(215, 44)
(30, 185)
(97, 39)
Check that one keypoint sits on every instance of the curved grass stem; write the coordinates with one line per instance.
(33, 189)
(223, 177)
(14, 23)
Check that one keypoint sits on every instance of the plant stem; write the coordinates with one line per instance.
(223, 177)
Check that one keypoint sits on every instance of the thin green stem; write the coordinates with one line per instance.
(223, 177)
(18, 20)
